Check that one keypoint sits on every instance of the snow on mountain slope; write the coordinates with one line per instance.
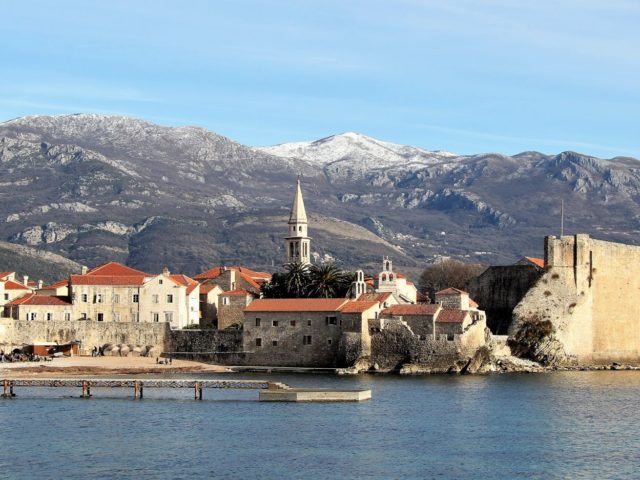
(359, 151)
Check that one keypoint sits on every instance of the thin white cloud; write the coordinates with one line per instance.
(563, 144)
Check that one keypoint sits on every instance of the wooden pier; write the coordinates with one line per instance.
(269, 391)
(137, 385)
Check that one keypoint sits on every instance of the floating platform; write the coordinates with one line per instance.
(313, 395)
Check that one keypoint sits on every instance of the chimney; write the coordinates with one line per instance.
(40, 283)
(84, 270)
(165, 271)
(25, 280)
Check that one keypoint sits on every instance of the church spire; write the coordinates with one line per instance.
(297, 243)
(298, 213)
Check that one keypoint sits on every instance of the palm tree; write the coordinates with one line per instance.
(296, 279)
(326, 281)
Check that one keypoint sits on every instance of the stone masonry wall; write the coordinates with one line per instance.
(499, 289)
(589, 293)
(15, 333)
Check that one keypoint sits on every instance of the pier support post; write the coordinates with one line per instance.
(8, 390)
(86, 389)
(197, 391)
(137, 389)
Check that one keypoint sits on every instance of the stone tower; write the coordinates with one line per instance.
(358, 286)
(387, 279)
(297, 243)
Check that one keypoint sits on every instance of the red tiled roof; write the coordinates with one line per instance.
(61, 283)
(5, 274)
(207, 287)
(473, 303)
(412, 309)
(296, 305)
(358, 306)
(190, 283)
(378, 297)
(536, 261)
(33, 299)
(107, 280)
(12, 285)
(116, 269)
(451, 291)
(245, 273)
(237, 293)
(450, 315)
(215, 272)
(369, 282)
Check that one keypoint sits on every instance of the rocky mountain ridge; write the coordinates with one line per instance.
(96, 188)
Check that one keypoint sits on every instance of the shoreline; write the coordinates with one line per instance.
(81, 366)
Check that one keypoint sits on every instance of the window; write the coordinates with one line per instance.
(49, 316)
(116, 316)
(300, 228)
(67, 316)
(275, 323)
(155, 317)
(274, 343)
(306, 340)
(450, 336)
(225, 300)
(293, 323)
(258, 322)
(116, 298)
(331, 320)
(169, 298)
(83, 316)
(101, 317)
(84, 298)
(160, 282)
(34, 315)
(136, 298)
(258, 342)
(6, 296)
(309, 323)
(329, 341)
(168, 317)
(135, 317)
(155, 298)
(97, 298)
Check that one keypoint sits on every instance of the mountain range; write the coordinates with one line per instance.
(95, 188)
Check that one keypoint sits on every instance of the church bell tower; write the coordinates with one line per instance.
(297, 243)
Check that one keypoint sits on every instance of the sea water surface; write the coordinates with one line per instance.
(560, 425)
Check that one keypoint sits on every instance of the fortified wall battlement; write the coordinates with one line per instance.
(589, 292)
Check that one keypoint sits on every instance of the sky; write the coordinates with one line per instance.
(459, 75)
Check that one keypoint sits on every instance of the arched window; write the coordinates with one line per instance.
(391, 277)
(383, 277)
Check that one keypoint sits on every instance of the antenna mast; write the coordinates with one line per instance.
(561, 217)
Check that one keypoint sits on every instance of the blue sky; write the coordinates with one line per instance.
(464, 76)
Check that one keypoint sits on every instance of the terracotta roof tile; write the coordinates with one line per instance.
(116, 269)
(215, 272)
(451, 291)
(107, 280)
(296, 305)
(358, 306)
(378, 297)
(13, 285)
(207, 287)
(237, 293)
(450, 315)
(188, 282)
(3, 275)
(33, 299)
(411, 309)
(58, 284)
(539, 262)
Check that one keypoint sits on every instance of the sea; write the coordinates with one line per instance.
(568, 425)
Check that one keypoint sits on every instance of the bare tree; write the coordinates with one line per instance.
(448, 273)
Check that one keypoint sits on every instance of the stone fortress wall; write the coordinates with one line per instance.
(16, 333)
(589, 292)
